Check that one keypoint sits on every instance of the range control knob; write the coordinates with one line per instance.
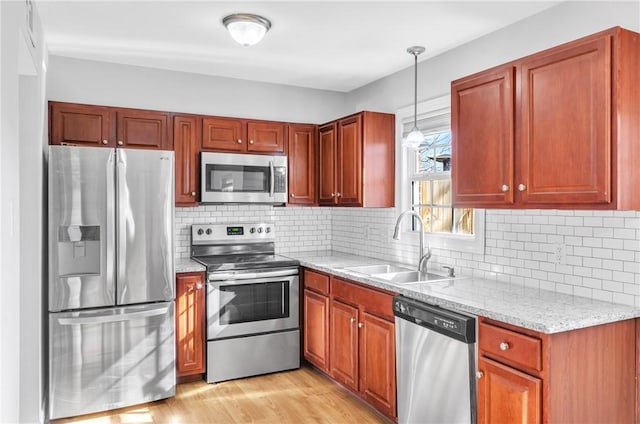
(259, 230)
(209, 231)
(267, 230)
(252, 230)
(200, 232)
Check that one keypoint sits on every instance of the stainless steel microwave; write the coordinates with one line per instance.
(241, 178)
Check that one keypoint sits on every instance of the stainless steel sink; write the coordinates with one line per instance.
(376, 269)
(410, 277)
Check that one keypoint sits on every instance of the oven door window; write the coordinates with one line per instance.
(237, 179)
(254, 302)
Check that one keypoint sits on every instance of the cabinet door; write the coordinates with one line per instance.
(266, 137)
(316, 329)
(378, 363)
(142, 129)
(506, 395)
(565, 135)
(343, 344)
(226, 134)
(82, 125)
(327, 164)
(302, 164)
(190, 323)
(482, 126)
(186, 145)
(349, 161)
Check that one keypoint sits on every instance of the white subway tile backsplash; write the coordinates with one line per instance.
(601, 257)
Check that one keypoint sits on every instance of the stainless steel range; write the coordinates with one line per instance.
(252, 300)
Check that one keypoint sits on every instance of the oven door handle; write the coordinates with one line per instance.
(228, 276)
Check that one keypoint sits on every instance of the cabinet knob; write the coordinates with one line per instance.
(522, 187)
(293, 195)
(120, 142)
(105, 141)
(193, 193)
(504, 188)
(479, 375)
(333, 195)
(360, 324)
(199, 286)
(338, 194)
(250, 141)
(352, 320)
(239, 141)
(504, 346)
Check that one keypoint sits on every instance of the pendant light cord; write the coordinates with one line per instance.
(415, 91)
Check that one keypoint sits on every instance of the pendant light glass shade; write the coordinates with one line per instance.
(245, 28)
(415, 137)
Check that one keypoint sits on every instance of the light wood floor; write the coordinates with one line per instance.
(299, 396)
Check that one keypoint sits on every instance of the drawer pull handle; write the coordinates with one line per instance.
(504, 346)
(479, 375)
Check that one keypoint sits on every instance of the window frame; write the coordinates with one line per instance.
(404, 172)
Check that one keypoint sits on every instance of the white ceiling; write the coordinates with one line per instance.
(330, 45)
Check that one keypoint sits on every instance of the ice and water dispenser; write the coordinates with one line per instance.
(78, 250)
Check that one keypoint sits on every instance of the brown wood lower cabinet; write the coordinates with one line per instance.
(354, 325)
(506, 395)
(580, 376)
(190, 323)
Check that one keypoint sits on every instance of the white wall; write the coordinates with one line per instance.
(22, 130)
(85, 81)
(565, 22)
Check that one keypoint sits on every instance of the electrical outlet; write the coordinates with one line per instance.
(559, 253)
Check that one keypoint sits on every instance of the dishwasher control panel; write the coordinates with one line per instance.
(453, 324)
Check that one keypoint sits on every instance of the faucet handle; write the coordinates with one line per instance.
(450, 271)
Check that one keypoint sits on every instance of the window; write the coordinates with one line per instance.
(425, 181)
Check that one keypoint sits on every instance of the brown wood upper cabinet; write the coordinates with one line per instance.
(557, 129)
(186, 144)
(102, 126)
(302, 164)
(243, 136)
(357, 161)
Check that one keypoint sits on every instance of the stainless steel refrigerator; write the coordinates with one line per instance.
(111, 278)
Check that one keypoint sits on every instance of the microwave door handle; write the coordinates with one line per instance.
(272, 178)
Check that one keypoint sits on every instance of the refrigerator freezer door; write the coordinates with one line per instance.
(110, 358)
(144, 222)
(81, 227)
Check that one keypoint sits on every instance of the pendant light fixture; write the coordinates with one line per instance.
(415, 137)
(247, 29)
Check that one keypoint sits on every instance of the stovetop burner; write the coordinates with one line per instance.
(237, 262)
(224, 247)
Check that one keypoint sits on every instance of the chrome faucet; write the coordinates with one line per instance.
(423, 256)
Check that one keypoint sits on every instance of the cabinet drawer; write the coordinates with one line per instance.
(515, 348)
(317, 282)
(370, 300)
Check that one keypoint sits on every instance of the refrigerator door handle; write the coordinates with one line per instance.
(109, 317)
(121, 221)
(110, 224)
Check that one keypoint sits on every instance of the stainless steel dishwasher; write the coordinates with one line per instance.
(435, 364)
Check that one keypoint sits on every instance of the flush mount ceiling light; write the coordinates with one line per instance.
(246, 28)
(415, 137)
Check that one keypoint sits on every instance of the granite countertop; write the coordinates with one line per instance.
(536, 309)
(188, 265)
